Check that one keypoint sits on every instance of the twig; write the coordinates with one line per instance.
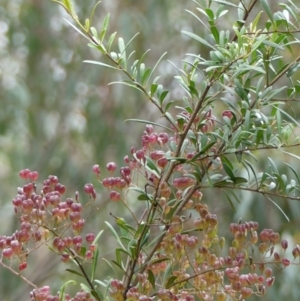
(18, 274)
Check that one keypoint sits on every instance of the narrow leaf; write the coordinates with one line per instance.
(95, 262)
(267, 9)
(101, 64)
(149, 122)
(115, 234)
(77, 29)
(199, 39)
(62, 290)
(151, 278)
(74, 272)
(278, 207)
(153, 69)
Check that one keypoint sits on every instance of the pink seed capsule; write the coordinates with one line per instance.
(111, 166)
(7, 252)
(96, 169)
(90, 237)
(22, 266)
(88, 188)
(24, 173)
(149, 128)
(114, 195)
(33, 175)
(284, 244)
(285, 262)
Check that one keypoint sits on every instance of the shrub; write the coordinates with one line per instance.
(233, 108)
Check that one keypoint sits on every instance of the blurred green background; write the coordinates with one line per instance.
(59, 116)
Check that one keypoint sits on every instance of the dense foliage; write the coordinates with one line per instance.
(230, 108)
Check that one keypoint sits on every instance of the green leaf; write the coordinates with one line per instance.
(98, 236)
(294, 171)
(210, 13)
(115, 234)
(288, 116)
(152, 167)
(229, 172)
(93, 11)
(110, 41)
(215, 34)
(85, 288)
(235, 196)
(98, 295)
(87, 24)
(149, 122)
(118, 252)
(151, 278)
(170, 117)
(94, 33)
(118, 265)
(133, 249)
(145, 76)
(278, 121)
(255, 21)
(267, 9)
(199, 39)
(226, 161)
(273, 165)
(62, 289)
(240, 90)
(104, 27)
(122, 50)
(155, 66)
(253, 171)
(70, 7)
(127, 83)
(169, 105)
(203, 150)
(95, 262)
(111, 266)
(140, 230)
(221, 183)
(74, 272)
(77, 29)
(278, 207)
(101, 64)
(240, 180)
(163, 96)
(247, 120)
(272, 44)
(230, 202)
(170, 281)
(153, 89)
(227, 3)
(122, 224)
(293, 69)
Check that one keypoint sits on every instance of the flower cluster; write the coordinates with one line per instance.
(45, 217)
(198, 268)
(43, 294)
(198, 261)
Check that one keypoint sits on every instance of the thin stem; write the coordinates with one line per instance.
(83, 271)
(76, 260)
(18, 274)
(247, 13)
(245, 150)
(257, 190)
(158, 242)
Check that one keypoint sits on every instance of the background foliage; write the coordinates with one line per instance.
(59, 116)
